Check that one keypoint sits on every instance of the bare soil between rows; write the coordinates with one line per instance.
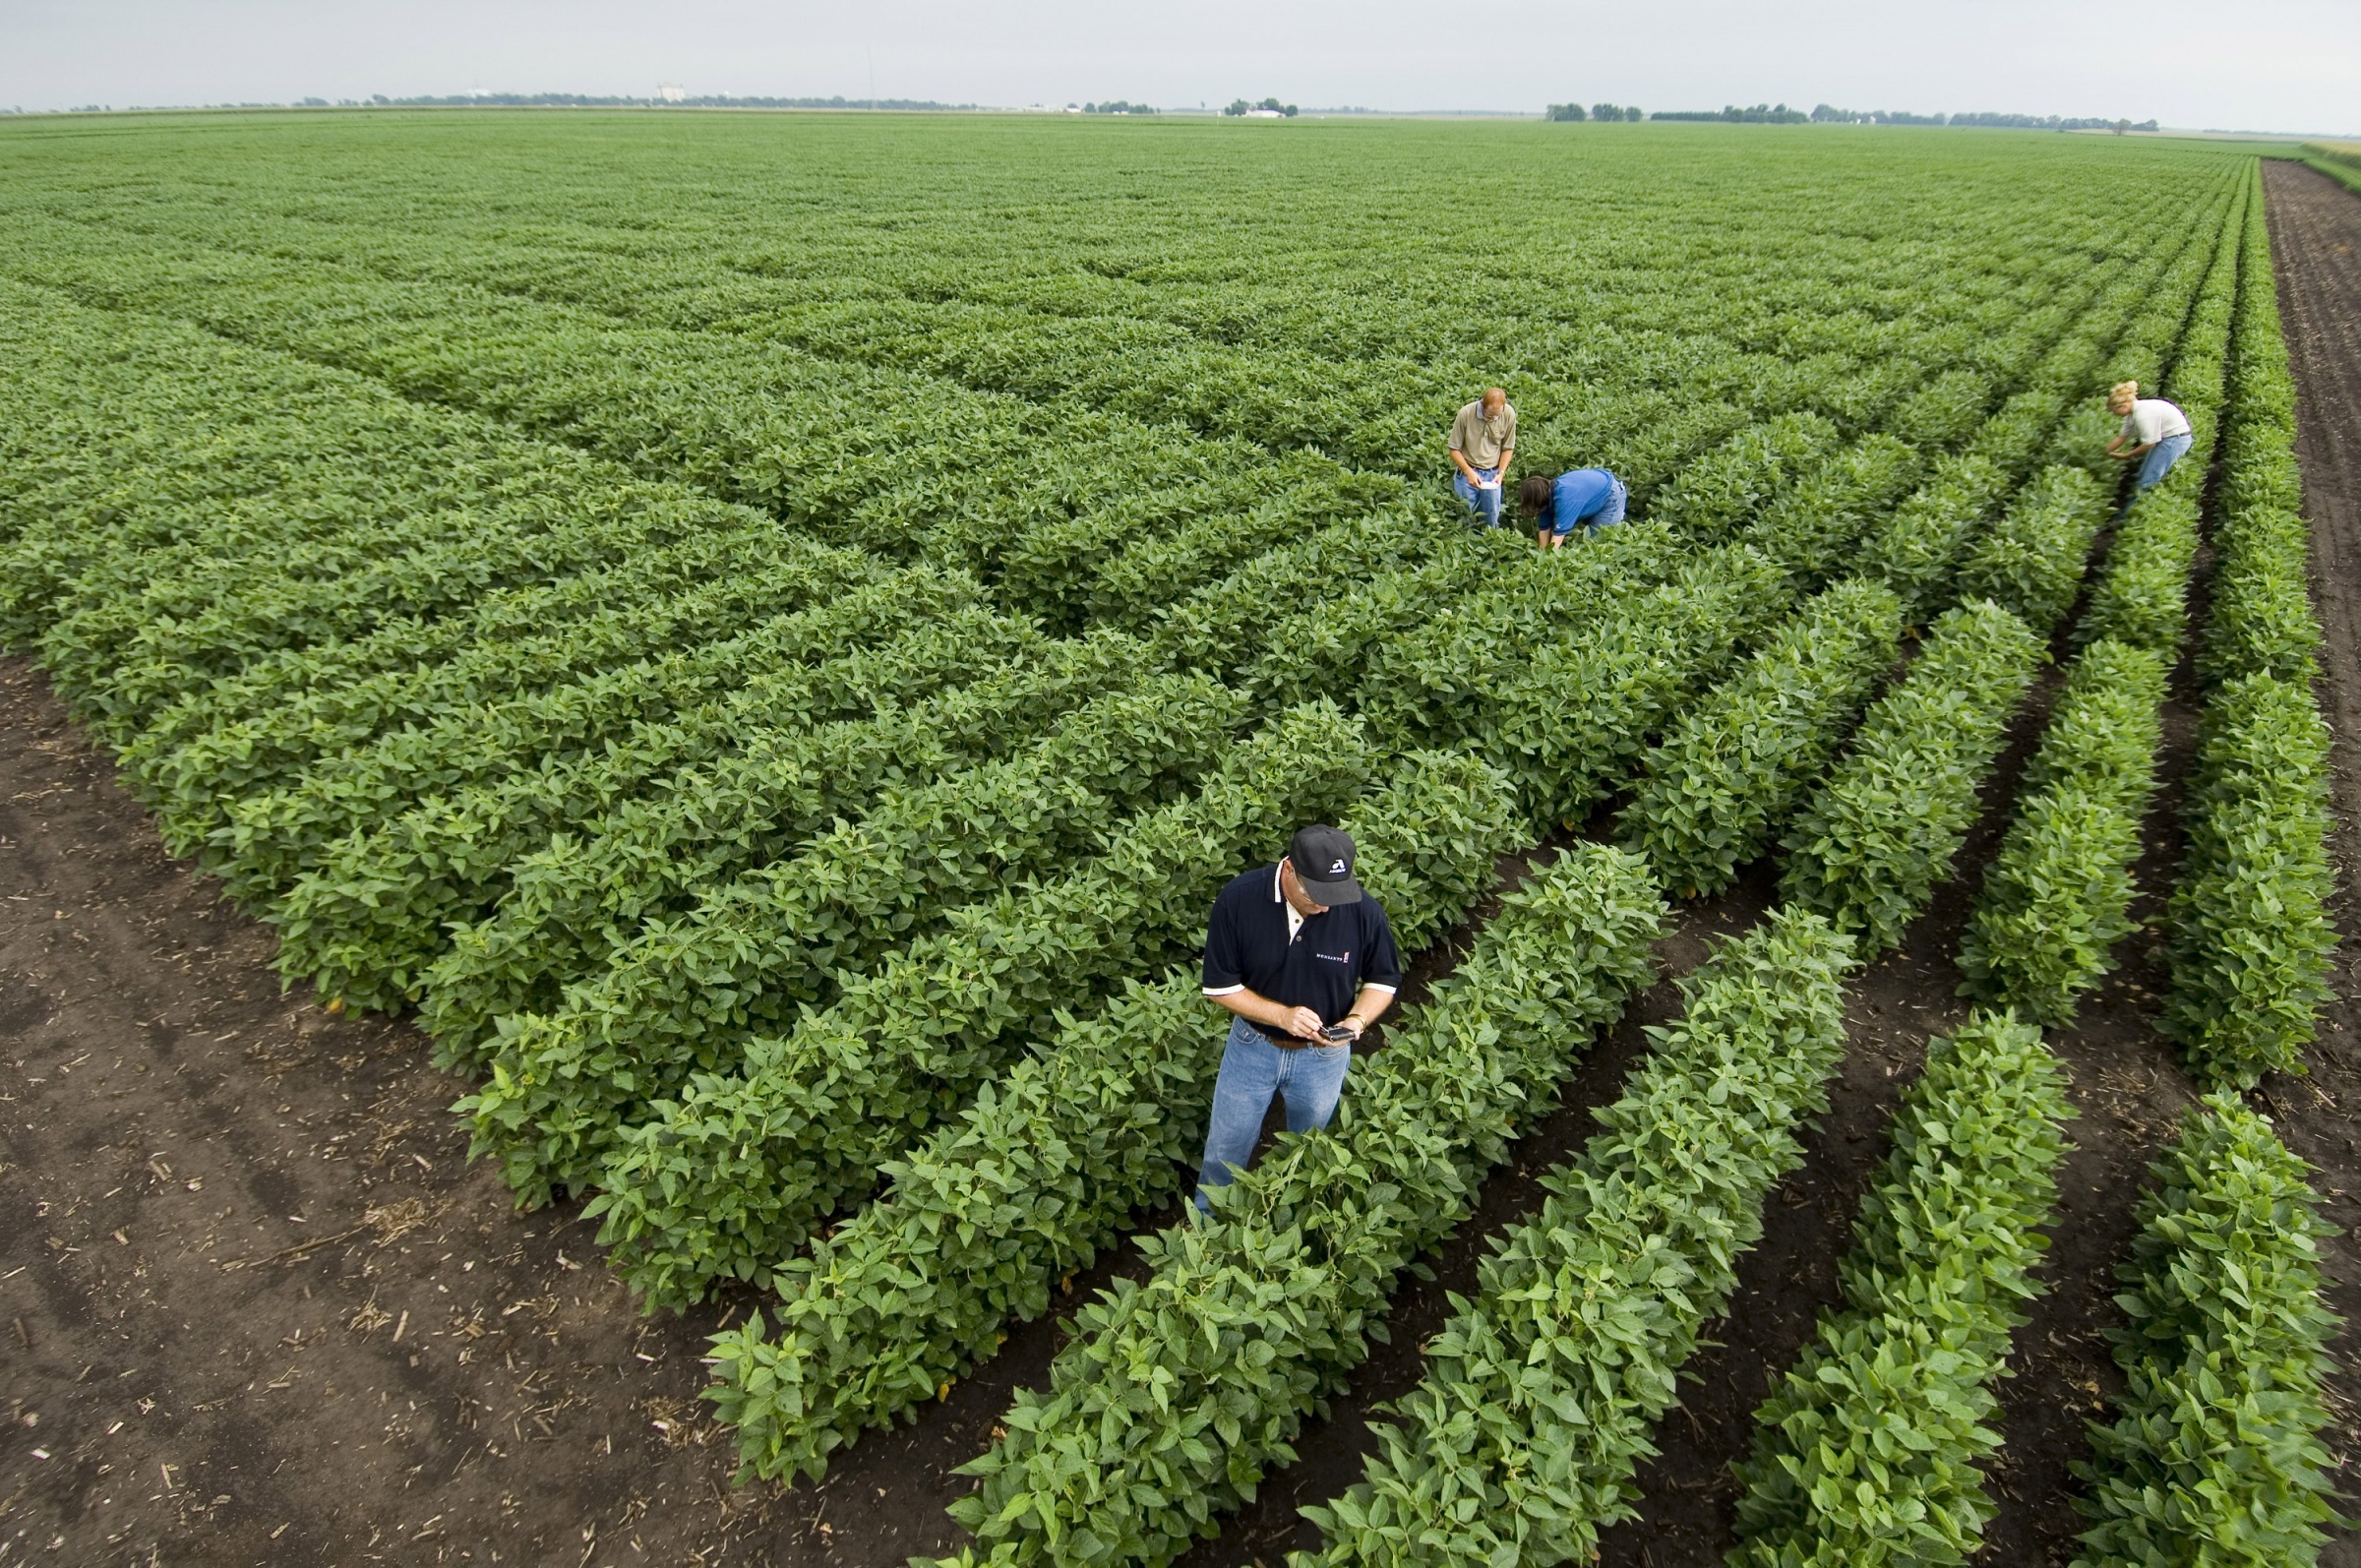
(260, 1309)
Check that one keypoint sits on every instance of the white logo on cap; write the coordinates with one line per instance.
(1337, 869)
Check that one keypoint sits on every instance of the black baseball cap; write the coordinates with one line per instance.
(1322, 856)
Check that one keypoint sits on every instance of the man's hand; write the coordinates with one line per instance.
(1304, 1023)
(1301, 1022)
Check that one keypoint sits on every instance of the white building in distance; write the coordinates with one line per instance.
(672, 92)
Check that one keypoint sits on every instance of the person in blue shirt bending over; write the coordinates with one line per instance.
(1590, 499)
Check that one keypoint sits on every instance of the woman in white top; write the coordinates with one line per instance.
(2153, 431)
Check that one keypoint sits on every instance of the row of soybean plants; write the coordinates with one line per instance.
(1068, 1483)
(1139, 524)
(476, 810)
(1066, 512)
(721, 1175)
(2216, 1445)
(2251, 938)
(1526, 1430)
(871, 1323)
(1613, 385)
(1042, 503)
(1148, 569)
(1378, 407)
(432, 730)
(2216, 1441)
(1520, 1442)
(2336, 160)
(191, 580)
(2054, 902)
(666, 1002)
(1868, 1450)
(1365, 375)
(475, 789)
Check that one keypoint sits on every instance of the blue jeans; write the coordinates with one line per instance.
(1252, 1070)
(1606, 516)
(2160, 458)
(1485, 504)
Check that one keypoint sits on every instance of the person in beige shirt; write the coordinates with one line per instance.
(1484, 441)
(2155, 434)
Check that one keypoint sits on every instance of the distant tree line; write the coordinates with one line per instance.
(1826, 114)
(1597, 111)
(1119, 107)
(581, 100)
(1239, 106)
(1760, 114)
(2037, 122)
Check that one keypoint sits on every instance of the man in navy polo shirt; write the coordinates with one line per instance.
(1308, 962)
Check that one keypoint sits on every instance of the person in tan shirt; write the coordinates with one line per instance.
(1484, 441)
(2155, 434)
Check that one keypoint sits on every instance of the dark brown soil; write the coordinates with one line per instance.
(2316, 246)
(2127, 1091)
(260, 1309)
(256, 1307)
(338, 1337)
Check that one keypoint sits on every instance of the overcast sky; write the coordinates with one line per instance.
(2286, 65)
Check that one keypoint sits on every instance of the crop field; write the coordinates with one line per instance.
(721, 659)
